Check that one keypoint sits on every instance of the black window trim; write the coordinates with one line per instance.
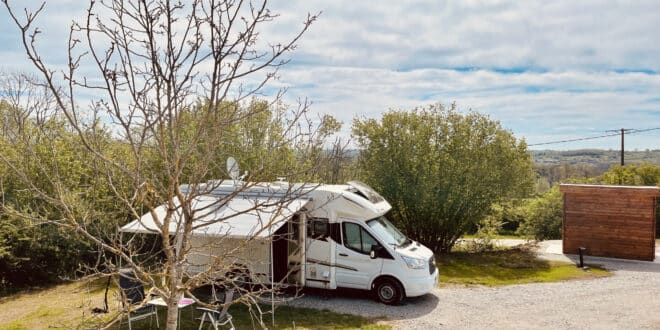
(311, 225)
(362, 229)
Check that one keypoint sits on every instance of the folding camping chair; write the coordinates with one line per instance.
(132, 292)
(221, 317)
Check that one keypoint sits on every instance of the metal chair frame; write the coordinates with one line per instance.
(221, 317)
(133, 296)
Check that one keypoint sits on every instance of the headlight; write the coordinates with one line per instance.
(414, 263)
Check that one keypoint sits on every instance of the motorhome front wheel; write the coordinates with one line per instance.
(389, 291)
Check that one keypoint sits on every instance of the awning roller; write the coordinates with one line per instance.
(238, 217)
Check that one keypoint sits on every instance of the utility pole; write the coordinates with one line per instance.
(622, 134)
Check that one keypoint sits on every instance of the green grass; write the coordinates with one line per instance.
(14, 325)
(41, 313)
(506, 267)
(304, 318)
(68, 306)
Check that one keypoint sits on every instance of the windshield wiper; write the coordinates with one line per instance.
(407, 242)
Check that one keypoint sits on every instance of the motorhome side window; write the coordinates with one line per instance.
(358, 239)
(318, 228)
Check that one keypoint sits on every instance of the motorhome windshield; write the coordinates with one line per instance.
(387, 232)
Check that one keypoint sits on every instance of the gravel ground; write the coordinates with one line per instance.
(628, 299)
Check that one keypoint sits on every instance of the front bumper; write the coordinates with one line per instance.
(421, 285)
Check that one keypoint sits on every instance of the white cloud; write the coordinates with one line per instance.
(551, 35)
(559, 105)
(548, 70)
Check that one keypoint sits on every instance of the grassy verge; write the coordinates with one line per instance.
(68, 306)
(285, 318)
(53, 307)
(506, 267)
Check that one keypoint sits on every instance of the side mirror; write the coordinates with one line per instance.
(375, 251)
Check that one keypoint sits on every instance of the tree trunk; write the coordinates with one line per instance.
(172, 313)
(173, 300)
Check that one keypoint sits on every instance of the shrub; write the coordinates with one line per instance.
(543, 216)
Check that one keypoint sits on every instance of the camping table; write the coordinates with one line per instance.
(183, 302)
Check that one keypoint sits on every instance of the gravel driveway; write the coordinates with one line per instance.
(628, 299)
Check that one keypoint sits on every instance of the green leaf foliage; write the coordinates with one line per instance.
(37, 162)
(441, 169)
(53, 187)
(543, 216)
(632, 175)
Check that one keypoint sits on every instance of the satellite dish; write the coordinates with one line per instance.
(232, 168)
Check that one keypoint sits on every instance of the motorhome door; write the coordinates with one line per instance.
(318, 269)
(295, 250)
(355, 268)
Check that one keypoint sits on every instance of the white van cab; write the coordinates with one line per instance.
(364, 250)
(325, 236)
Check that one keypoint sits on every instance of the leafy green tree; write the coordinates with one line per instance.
(504, 217)
(634, 175)
(441, 169)
(268, 145)
(264, 138)
(543, 216)
(36, 251)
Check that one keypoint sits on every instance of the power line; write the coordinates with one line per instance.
(643, 130)
(573, 140)
(628, 131)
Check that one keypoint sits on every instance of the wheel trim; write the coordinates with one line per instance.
(386, 292)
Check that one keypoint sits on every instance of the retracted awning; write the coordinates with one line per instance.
(238, 217)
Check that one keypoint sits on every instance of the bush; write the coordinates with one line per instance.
(632, 175)
(441, 170)
(543, 216)
(38, 254)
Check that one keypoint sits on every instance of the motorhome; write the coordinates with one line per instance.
(307, 235)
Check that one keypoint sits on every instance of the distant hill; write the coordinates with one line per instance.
(556, 166)
(597, 157)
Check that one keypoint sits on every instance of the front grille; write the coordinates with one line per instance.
(431, 265)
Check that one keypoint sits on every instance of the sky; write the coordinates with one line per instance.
(547, 70)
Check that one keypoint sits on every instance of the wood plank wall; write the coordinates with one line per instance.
(610, 221)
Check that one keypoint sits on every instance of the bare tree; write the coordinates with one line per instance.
(27, 98)
(170, 83)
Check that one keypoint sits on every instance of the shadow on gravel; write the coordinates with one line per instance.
(362, 303)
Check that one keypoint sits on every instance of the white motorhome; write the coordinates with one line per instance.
(308, 235)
